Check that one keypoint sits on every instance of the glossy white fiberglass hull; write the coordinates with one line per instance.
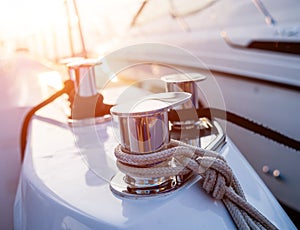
(65, 185)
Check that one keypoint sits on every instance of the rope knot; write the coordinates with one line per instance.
(214, 184)
(217, 176)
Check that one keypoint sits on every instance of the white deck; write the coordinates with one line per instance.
(65, 184)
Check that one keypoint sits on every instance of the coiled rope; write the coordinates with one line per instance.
(217, 179)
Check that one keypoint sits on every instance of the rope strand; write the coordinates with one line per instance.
(217, 179)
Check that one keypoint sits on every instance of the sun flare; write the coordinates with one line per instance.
(20, 18)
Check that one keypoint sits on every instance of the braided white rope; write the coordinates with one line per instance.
(148, 159)
(217, 177)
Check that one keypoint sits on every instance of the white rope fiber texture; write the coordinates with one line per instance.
(217, 179)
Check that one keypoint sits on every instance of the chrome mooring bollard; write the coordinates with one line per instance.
(143, 129)
(87, 105)
(82, 72)
(187, 129)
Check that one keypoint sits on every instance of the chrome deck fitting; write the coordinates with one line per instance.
(143, 128)
(82, 72)
(187, 130)
(86, 97)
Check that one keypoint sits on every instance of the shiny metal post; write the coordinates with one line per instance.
(82, 72)
(184, 83)
(187, 129)
(143, 124)
(143, 128)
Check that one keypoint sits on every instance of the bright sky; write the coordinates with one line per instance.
(24, 16)
(20, 17)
